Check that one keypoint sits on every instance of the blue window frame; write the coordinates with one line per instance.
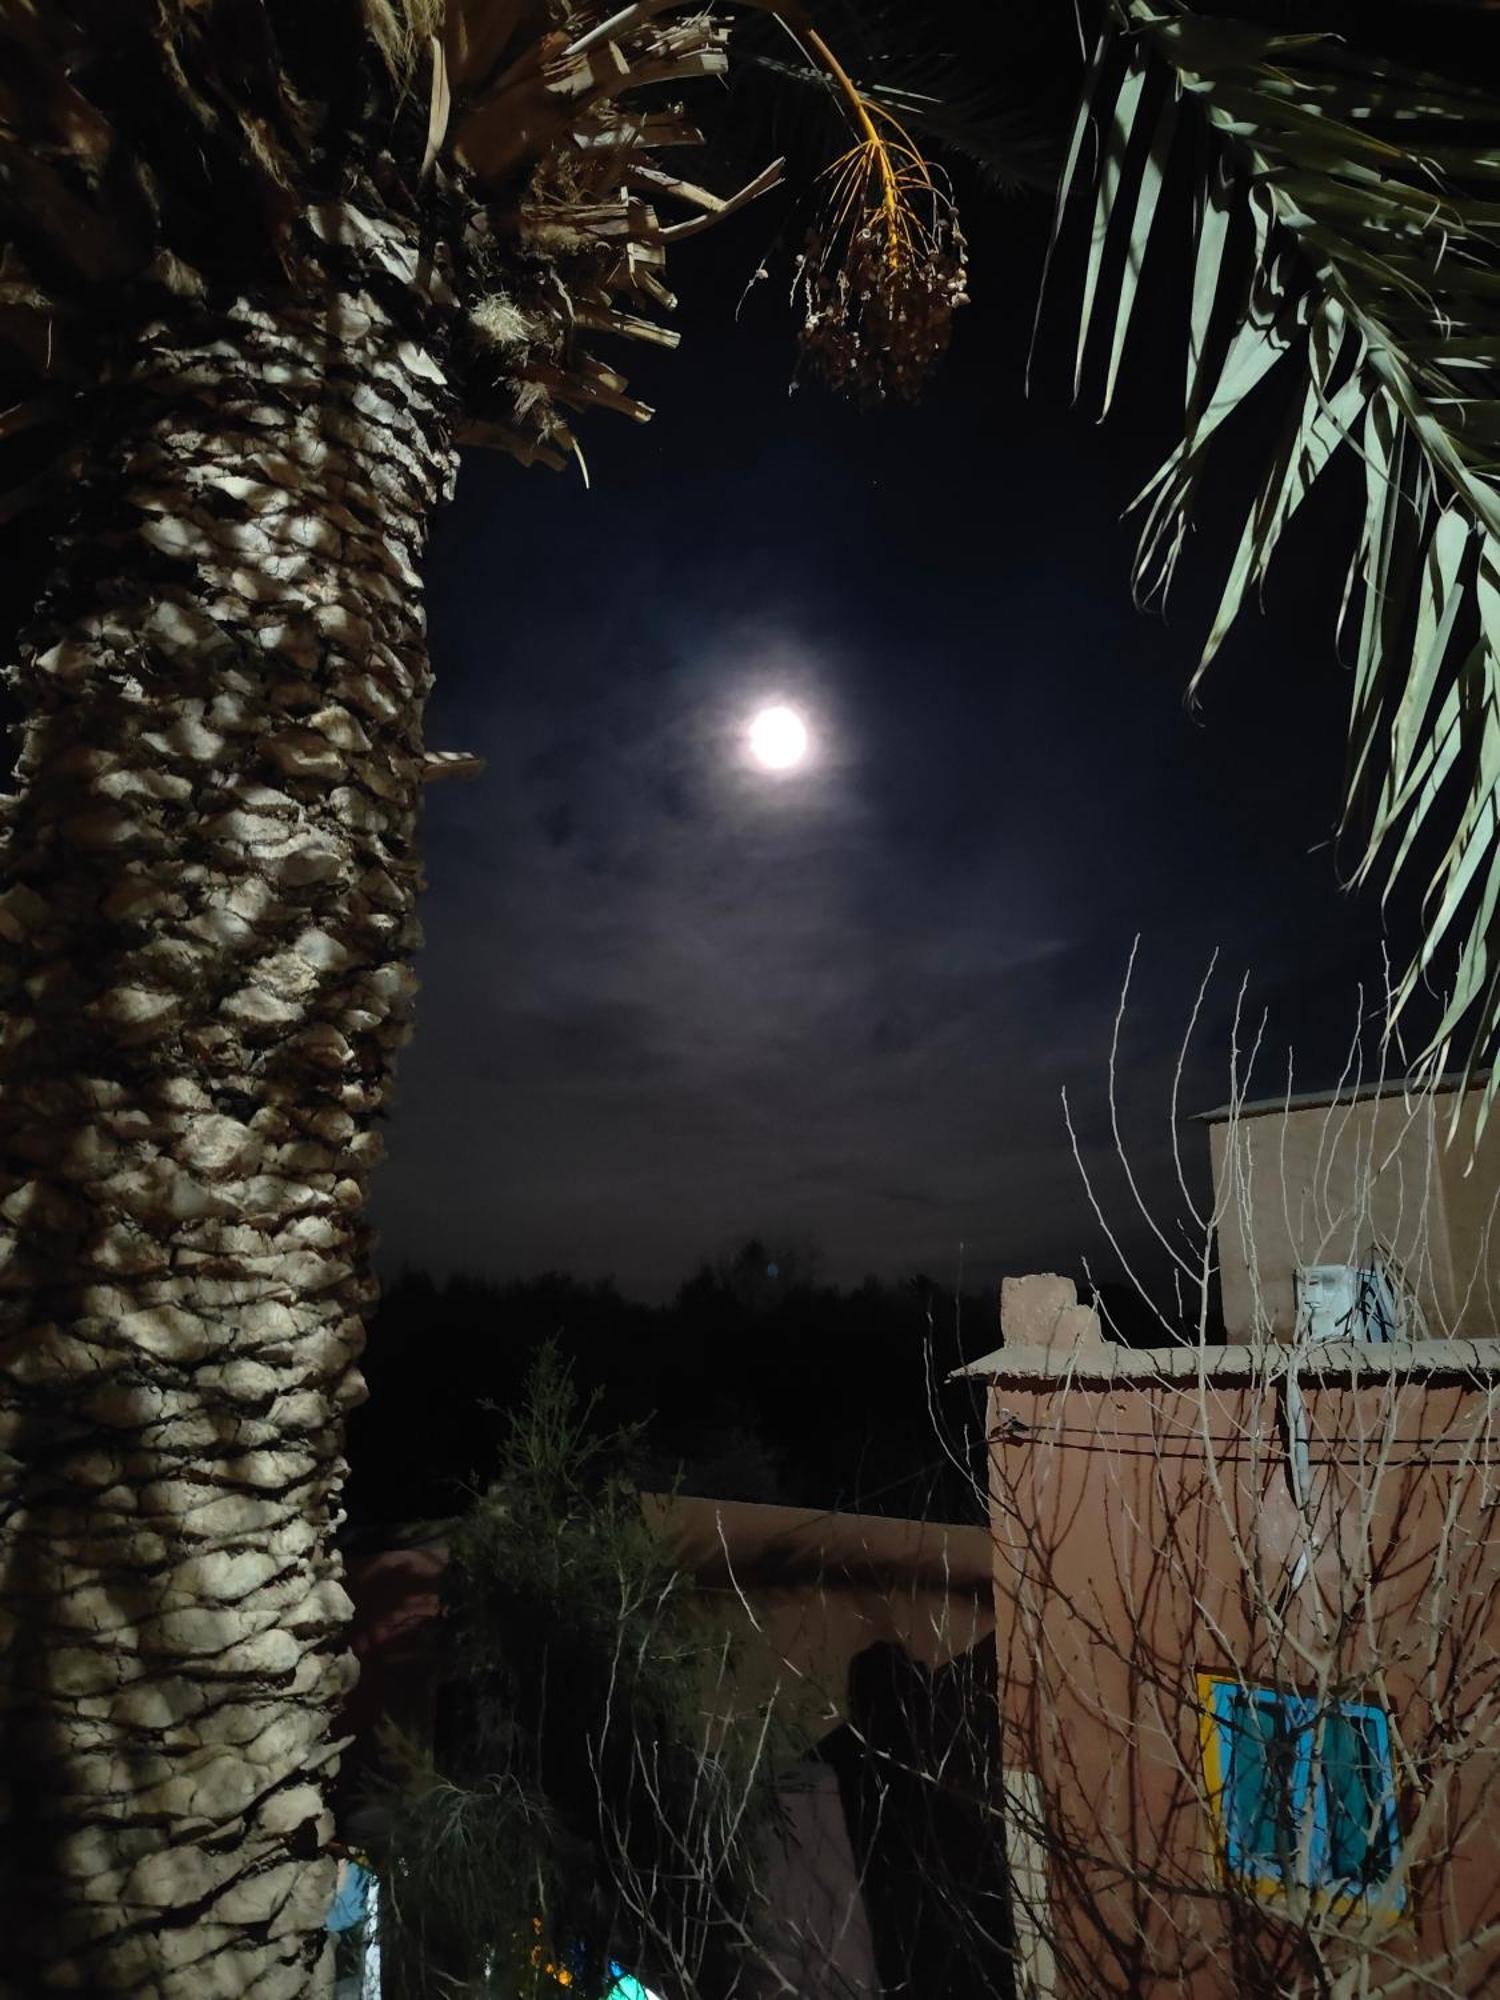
(1303, 1792)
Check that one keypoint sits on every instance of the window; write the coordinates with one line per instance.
(1352, 1301)
(1303, 1793)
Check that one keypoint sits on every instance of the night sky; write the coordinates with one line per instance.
(668, 1002)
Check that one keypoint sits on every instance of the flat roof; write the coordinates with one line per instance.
(1311, 1100)
(752, 1540)
(765, 1544)
(1109, 1366)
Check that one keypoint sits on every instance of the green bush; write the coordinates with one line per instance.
(592, 1793)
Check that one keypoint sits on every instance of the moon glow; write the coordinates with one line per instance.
(778, 739)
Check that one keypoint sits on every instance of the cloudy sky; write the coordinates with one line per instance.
(670, 1001)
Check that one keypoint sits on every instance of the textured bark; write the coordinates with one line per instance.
(206, 902)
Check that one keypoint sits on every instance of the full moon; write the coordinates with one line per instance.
(778, 739)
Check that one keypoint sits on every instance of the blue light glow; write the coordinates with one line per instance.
(627, 1987)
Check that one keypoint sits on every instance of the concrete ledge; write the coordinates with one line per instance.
(1088, 1366)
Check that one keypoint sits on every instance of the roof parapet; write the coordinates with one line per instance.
(1351, 1362)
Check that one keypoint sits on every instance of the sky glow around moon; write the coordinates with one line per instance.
(778, 739)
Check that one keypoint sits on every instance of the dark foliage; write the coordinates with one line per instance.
(756, 1382)
(919, 1780)
(591, 1792)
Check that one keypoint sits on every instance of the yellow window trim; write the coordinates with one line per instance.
(1375, 1908)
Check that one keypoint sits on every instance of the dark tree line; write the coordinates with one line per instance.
(756, 1381)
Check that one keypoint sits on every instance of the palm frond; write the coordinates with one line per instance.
(179, 149)
(1346, 223)
(401, 29)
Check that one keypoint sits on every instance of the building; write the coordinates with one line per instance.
(874, 1636)
(1248, 1594)
(1344, 1180)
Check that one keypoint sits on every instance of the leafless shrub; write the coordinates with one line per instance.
(1249, 1593)
(1236, 1731)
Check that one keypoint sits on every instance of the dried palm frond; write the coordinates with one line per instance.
(187, 162)
(579, 246)
(401, 29)
(184, 163)
(1346, 217)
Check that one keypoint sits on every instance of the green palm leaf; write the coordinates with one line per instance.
(1346, 217)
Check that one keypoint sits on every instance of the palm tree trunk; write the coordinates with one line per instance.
(206, 902)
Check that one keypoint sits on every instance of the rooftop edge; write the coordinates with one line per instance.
(1110, 1366)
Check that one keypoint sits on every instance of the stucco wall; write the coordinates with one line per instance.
(807, 1593)
(1126, 1520)
(808, 1590)
(821, 1944)
(1327, 1183)
(811, 1590)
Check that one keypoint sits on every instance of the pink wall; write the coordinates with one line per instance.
(1145, 1532)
